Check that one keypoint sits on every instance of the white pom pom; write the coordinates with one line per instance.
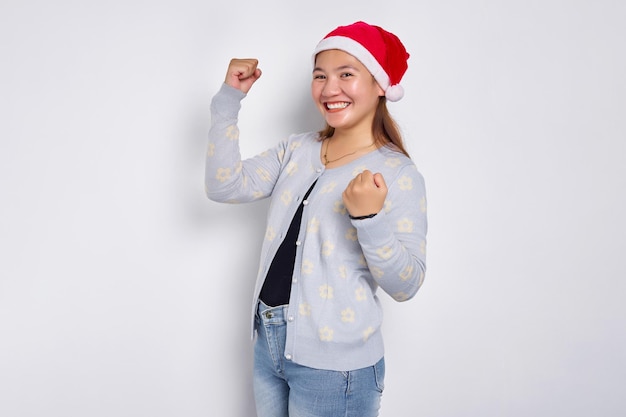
(394, 92)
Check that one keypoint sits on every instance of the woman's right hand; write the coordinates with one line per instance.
(242, 73)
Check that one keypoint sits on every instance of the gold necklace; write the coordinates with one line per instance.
(328, 161)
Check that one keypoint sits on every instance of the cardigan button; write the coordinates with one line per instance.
(288, 356)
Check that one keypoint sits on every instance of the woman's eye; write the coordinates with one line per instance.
(318, 77)
(346, 74)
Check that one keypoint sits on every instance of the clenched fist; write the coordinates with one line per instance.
(365, 194)
(242, 73)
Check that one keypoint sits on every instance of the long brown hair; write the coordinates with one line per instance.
(384, 129)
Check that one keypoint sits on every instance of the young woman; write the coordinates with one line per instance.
(347, 216)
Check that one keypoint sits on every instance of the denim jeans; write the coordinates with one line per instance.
(285, 389)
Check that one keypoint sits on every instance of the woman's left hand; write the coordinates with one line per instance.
(365, 194)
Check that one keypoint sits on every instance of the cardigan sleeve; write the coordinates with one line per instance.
(228, 178)
(394, 241)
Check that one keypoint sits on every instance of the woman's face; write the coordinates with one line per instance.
(344, 91)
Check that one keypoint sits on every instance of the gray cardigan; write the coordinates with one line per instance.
(334, 315)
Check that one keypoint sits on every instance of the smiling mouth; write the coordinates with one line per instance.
(337, 106)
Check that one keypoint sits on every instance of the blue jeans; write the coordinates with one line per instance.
(285, 389)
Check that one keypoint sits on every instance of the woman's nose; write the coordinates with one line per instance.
(331, 87)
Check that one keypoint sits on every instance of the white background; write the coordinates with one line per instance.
(125, 292)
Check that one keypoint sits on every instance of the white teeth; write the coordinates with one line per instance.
(332, 106)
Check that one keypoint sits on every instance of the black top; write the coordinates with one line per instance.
(277, 285)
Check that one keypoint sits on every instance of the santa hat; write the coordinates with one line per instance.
(381, 52)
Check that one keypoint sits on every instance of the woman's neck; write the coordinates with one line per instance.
(340, 150)
(352, 138)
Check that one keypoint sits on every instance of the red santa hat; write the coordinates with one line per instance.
(381, 52)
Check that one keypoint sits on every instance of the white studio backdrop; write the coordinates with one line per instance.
(125, 292)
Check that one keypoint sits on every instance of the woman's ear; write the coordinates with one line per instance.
(381, 92)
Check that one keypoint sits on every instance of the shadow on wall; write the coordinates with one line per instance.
(305, 116)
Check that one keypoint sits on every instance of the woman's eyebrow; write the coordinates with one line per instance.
(340, 68)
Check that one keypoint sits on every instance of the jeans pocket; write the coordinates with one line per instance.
(379, 374)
